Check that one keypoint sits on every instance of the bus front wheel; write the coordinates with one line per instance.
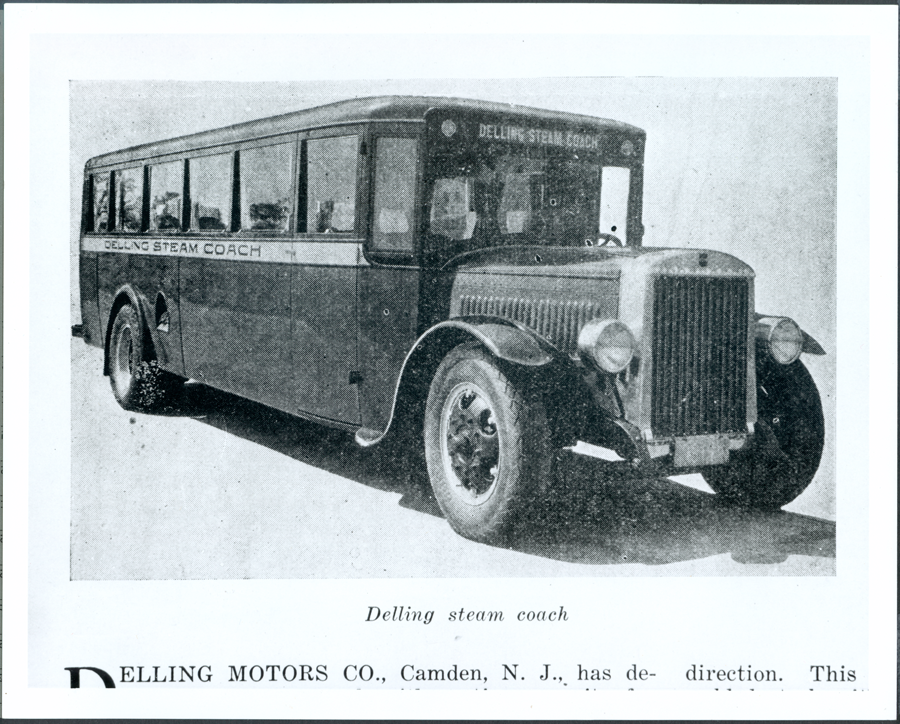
(486, 445)
(137, 381)
(784, 455)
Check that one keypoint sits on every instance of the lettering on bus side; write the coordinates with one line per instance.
(175, 247)
(220, 249)
(193, 248)
(127, 244)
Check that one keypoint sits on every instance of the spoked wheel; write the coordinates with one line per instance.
(486, 445)
(787, 447)
(137, 381)
(470, 446)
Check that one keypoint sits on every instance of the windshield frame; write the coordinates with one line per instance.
(476, 146)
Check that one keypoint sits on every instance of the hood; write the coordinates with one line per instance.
(556, 290)
(607, 262)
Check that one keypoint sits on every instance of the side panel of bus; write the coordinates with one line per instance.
(323, 297)
(327, 255)
(236, 326)
(90, 314)
(235, 291)
(389, 320)
(156, 279)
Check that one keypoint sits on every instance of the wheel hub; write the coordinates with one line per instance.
(471, 442)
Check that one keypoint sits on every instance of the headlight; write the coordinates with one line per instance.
(608, 342)
(781, 337)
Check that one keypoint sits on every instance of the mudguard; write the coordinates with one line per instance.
(810, 346)
(144, 310)
(503, 338)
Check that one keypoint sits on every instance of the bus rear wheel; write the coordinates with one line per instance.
(138, 383)
(486, 445)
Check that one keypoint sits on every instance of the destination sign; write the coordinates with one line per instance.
(540, 137)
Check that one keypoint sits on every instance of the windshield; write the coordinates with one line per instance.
(524, 196)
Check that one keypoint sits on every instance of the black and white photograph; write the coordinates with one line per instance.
(379, 368)
(337, 326)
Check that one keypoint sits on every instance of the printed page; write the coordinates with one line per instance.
(360, 366)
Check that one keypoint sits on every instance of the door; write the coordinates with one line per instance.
(389, 283)
(326, 256)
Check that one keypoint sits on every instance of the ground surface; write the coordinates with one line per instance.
(232, 490)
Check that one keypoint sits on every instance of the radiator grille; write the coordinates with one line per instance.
(557, 321)
(699, 356)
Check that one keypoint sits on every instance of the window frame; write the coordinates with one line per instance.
(141, 171)
(206, 153)
(185, 188)
(392, 254)
(634, 230)
(91, 220)
(236, 175)
(392, 257)
(361, 191)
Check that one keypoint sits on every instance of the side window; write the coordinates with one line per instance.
(130, 184)
(101, 202)
(166, 190)
(265, 175)
(614, 186)
(331, 184)
(210, 182)
(395, 186)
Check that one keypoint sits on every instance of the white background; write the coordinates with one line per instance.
(665, 624)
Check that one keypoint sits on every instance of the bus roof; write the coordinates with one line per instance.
(357, 110)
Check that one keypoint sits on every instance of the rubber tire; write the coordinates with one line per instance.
(524, 465)
(787, 448)
(138, 384)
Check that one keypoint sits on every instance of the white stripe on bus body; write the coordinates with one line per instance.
(323, 253)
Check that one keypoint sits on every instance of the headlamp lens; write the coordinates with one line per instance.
(785, 342)
(609, 342)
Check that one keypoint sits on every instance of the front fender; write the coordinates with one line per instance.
(504, 339)
(810, 346)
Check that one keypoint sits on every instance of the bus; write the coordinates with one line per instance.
(470, 273)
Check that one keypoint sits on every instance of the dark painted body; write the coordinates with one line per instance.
(324, 342)
(327, 327)
(322, 339)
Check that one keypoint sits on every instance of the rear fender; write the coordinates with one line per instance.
(127, 294)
